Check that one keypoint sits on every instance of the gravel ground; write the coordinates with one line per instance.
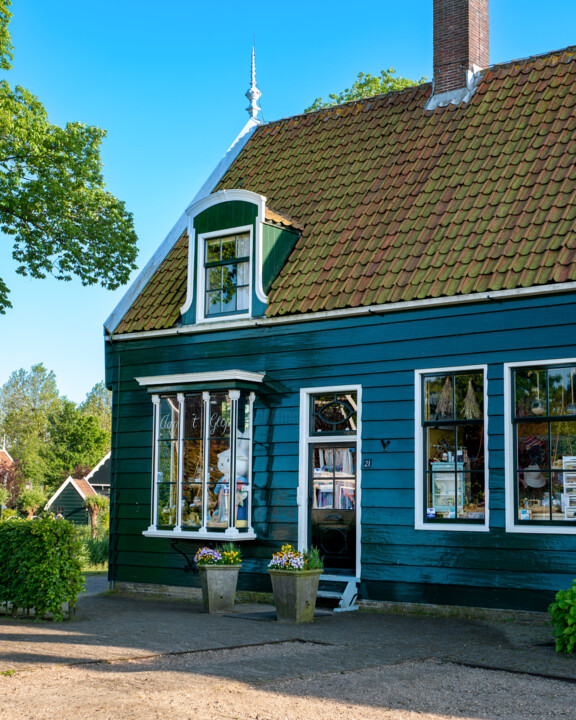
(228, 685)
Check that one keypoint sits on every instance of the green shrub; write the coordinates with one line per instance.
(41, 569)
(563, 619)
(96, 550)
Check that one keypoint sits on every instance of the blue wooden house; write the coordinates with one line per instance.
(361, 335)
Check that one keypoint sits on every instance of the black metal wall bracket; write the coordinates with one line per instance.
(190, 564)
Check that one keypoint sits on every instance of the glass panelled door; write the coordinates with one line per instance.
(332, 501)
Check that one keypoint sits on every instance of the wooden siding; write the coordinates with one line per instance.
(381, 353)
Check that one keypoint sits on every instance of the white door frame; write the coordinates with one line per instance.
(304, 464)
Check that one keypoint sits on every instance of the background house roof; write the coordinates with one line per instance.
(399, 204)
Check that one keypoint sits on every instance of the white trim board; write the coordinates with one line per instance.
(419, 523)
(354, 312)
(159, 256)
(203, 377)
(509, 479)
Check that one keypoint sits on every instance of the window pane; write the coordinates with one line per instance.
(228, 248)
(242, 299)
(243, 273)
(192, 504)
(335, 413)
(441, 444)
(193, 416)
(243, 246)
(213, 302)
(532, 451)
(438, 398)
(167, 505)
(219, 462)
(469, 396)
(213, 250)
(530, 392)
(214, 278)
(561, 389)
(169, 414)
(228, 288)
(242, 461)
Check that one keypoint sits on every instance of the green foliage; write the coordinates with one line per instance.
(52, 198)
(366, 86)
(563, 619)
(27, 398)
(95, 505)
(4, 497)
(98, 403)
(313, 559)
(74, 439)
(30, 501)
(40, 561)
(94, 549)
(8, 514)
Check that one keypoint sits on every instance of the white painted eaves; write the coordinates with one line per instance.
(156, 260)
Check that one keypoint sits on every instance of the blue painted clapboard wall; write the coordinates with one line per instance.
(379, 352)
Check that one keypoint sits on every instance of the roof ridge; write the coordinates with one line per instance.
(369, 98)
(529, 59)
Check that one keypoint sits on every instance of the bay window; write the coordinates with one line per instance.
(202, 476)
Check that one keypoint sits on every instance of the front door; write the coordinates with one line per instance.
(332, 503)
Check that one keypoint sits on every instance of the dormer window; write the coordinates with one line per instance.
(227, 274)
(236, 249)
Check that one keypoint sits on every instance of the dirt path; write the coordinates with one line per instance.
(235, 685)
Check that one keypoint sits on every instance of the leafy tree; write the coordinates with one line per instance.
(26, 401)
(30, 501)
(75, 439)
(366, 86)
(99, 404)
(52, 197)
(5, 496)
(95, 504)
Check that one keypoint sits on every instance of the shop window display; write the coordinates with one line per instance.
(544, 421)
(454, 447)
(202, 459)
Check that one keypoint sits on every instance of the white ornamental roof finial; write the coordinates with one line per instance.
(253, 94)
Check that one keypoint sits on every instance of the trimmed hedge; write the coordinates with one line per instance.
(41, 565)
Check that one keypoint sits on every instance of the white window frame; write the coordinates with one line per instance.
(512, 526)
(419, 488)
(201, 280)
(203, 533)
(306, 439)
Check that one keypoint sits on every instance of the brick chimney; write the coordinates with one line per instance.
(460, 47)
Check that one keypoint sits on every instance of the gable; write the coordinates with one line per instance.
(398, 204)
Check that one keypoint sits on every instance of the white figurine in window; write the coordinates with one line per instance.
(222, 488)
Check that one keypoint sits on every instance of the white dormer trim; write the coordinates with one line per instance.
(115, 318)
(193, 210)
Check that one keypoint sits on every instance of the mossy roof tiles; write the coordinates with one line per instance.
(397, 203)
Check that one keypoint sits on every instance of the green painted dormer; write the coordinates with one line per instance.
(236, 249)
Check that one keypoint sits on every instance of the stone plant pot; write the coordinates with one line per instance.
(218, 584)
(295, 594)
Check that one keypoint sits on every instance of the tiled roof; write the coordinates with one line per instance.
(158, 305)
(280, 219)
(85, 487)
(400, 204)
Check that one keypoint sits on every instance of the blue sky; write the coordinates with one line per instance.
(168, 85)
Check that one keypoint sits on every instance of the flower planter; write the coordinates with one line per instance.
(218, 584)
(295, 594)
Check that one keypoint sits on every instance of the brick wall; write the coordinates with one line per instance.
(461, 39)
